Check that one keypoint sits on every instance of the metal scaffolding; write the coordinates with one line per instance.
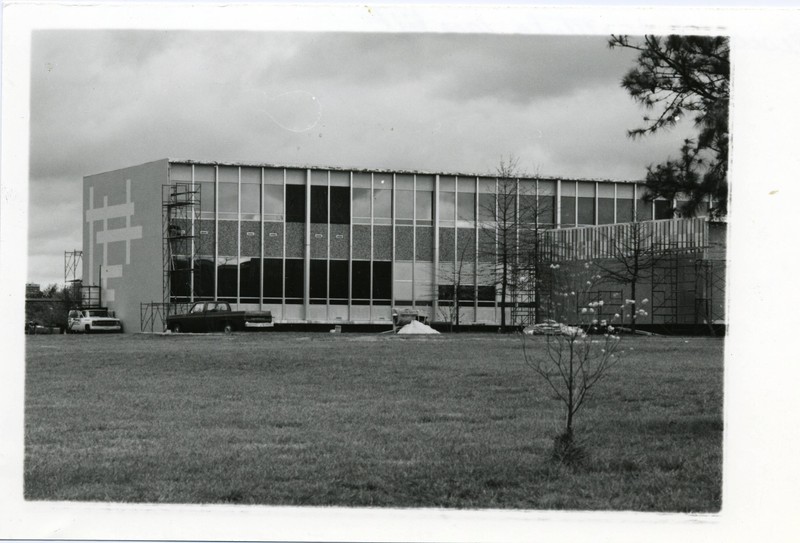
(180, 213)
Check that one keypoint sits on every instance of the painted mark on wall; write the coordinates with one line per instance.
(105, 236)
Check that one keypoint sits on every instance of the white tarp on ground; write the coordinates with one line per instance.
(416, 327)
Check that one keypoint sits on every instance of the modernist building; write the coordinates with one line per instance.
(322, 244)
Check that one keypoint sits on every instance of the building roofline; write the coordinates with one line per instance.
(385, 170)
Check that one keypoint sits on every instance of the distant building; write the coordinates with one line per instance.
(32, 290)
(323, 244)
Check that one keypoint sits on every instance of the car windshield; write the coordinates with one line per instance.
(97, 313)
(197, 308)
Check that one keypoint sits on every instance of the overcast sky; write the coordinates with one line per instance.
(102, 100)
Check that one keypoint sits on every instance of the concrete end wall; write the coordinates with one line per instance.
(122, 237)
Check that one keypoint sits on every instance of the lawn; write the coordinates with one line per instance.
(365, 420)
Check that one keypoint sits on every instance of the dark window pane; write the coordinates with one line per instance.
(180, 277)
(547, 210)
(204, 278)
(486, 206)
(624, 210)
(294, 278)
(527, 208)
(249, 278)
(466, 206)
(360, 284)
(338, 279)
(295, 203)
(319, 204)
(319, 279)
(466, 293)
(340, 205)
(644, 210)
(486, 292)
(226, 280)
(381, 280)
(585, 210)
(605, 210)
(273, 278)
(567, 211)
(446, 292)
(663, 209)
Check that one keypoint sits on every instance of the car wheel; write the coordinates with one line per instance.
(176, 328)
(87, 328)
(227, 328)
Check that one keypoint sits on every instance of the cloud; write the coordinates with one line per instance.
(102, 100)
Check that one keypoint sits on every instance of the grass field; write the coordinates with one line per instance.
(364, 420)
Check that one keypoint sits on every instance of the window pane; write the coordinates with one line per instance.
(361, 203)
(447, 206)
(424, 205)
(319, 204)
(207, 197)
(404, 204)
(294, 278)
(644, 210)
(228, 198)
(486, 292)
(204, 173)
(381, 280)
(295, 203)
(273, 202)
(180, 277)
(527, 208)
(624, 210)
(340, 205)
(273, 278)
(404, 182)
(567, 211)
(226, 278)
(319, 177)
(204, 278)
(295, 177)
(249, 278)
(486, 206)
(340, 179)
(663, 209)
(547, 210)
(425, 183)
(338, 279)
(466, 206)
(360, 284)
(383, 203)
(585, 210)
(319, 279)
(605, 210)
(251, 197)
(273, 177)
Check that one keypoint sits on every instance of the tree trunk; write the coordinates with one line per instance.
(633, 307)
(503, 289)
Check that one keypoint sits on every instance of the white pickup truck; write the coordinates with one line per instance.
(92, 320)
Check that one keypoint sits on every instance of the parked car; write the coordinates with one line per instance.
(218, 317)
(92, 320)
